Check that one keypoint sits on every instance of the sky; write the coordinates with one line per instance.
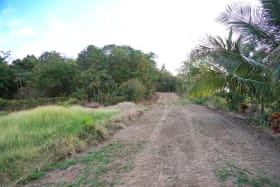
(169, 28)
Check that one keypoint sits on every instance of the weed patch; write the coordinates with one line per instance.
(111, 160)
(236, 176)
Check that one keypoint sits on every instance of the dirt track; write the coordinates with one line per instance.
(185, 145)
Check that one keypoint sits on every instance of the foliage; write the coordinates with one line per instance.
(55, 79)
(166, 82)
(92, 57)
(132, 90)
(7, 86)
(105, 69)
(45, 135)
(241, 69)
(96, 75)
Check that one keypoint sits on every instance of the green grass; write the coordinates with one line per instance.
(33, 139)
(243, 177)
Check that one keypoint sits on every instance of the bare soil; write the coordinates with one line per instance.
(186, 144)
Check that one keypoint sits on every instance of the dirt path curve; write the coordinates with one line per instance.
(186, 144)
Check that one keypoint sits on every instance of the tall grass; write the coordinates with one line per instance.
(33, 139)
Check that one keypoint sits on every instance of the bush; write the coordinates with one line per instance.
(219, 103)
(200, 101)
(132, 90)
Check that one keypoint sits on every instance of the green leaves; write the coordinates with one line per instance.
(247, 66)
(258, 25)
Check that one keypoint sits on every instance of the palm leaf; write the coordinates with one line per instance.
(247, 20)
(271, 9)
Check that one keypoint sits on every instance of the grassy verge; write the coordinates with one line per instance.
(111, 160)
(34, 139)
(232, 175)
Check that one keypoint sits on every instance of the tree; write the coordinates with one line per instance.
(260, 27)
(95, 80)
(51, 57)
(225, 68)
(96, 84)
(166, 82)
(92, 57)
(23, 71)
(56, 78)
(7, 86)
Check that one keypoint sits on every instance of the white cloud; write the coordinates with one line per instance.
(25, 31)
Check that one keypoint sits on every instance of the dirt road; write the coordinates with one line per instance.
(189, 145)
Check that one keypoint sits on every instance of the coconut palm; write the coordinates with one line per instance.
(249, 65)
(226, 66)
(258, 24)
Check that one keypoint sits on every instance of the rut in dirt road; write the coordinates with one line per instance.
(188, 144)
(173, 156)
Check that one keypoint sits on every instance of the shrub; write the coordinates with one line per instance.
(132, 90)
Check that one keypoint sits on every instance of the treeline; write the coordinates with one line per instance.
(240, 72)
(109, 75)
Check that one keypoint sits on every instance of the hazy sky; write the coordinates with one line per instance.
(169, 28)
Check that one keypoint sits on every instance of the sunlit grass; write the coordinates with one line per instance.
(31, 139)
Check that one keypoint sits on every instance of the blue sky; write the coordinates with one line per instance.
(169, 28)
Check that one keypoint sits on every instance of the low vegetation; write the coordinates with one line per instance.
(45, 135)
(232, 175)
(114, 158)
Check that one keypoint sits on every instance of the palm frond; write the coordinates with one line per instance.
(273, 57)
(255, 64)
(275, 76)
(247, 20)
(207, 83)
(271, 9)
(248, 86)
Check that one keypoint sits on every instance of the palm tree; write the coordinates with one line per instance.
(228, 67)
(259, 25)
(251, 64)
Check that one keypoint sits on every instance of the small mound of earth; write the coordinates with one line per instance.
(128, 111)
(93, 105)
(124, 106)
